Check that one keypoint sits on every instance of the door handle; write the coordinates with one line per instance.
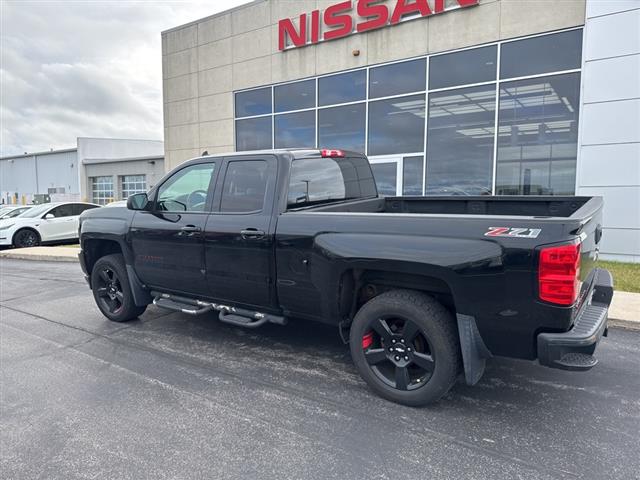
(252, 233)
(190, 229)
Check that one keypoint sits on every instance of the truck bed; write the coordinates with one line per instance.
(536, 207)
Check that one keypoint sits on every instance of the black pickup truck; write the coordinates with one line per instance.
(422, 289)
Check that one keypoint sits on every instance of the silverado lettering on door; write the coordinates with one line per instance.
(338, 20)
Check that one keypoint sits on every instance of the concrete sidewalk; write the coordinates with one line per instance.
(624, 311)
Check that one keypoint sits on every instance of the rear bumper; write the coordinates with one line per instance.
(573, 350)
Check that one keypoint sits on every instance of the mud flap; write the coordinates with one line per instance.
(141, 296)
(474, 351)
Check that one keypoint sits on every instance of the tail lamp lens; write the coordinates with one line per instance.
(559, 274)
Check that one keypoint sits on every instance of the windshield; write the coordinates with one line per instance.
(322, 180)
(36, 211)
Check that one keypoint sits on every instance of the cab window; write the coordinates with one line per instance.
(187, 190)
(78, 208)
(245, 186)
(62, 211)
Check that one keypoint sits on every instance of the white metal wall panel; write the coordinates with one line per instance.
(613, 35)
(612, 78)
(610, 165)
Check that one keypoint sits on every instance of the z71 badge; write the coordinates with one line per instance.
(513, 232)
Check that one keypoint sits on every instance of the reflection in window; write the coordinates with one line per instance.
(398, 78)
(396, 125)
(245, 185)
(253, 102)
(538, 136)
(386, 175)
(460, 141)
(343, 88)
(412, 175)
(253, 134)
(295, 130)
(342, 127)
(548, 53)
(463, 68)
(317, 180)
(295, 96)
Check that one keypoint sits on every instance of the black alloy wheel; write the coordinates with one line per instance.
(399, 353)
(405, 345)
(26, 238)
(109, 291)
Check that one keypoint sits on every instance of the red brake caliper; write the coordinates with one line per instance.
(367, 340)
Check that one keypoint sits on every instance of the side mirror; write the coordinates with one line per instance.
(139, 201)
(49, 216)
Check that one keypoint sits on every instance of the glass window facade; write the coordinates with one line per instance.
(397, 78)
(254, 133)
(343, 127)
(102, 190)
(396, 125)
(497, 119)
(254, 102)
(538, 135)
(461, 138)
(342, 88)
(295, 130)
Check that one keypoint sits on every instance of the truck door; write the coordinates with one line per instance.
(239, 236)
(167, 240)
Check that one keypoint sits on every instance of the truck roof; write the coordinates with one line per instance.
(296, 153)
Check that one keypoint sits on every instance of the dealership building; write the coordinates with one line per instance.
(98, 170)
(446, 97)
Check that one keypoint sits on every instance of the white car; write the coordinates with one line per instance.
(13, 211)
(49, 222)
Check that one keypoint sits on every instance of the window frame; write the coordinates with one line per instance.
(210, 194)
(496, 83)
(269, 195)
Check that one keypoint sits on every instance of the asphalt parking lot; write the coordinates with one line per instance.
(172, 396)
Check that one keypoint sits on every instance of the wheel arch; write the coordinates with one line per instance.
(358, 286)
(96, 248)
(21, 229)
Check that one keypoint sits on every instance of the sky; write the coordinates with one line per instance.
(87, 68)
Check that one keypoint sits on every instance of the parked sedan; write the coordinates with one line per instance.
(47, 223)
(13, 211)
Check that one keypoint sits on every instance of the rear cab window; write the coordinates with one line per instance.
(316, 181)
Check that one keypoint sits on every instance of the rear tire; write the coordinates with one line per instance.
(111, 289)
(405, 346)
(25, 238)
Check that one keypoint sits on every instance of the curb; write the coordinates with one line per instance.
(41, 258)
(624, 324)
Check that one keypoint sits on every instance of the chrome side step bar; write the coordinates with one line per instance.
(228, 314)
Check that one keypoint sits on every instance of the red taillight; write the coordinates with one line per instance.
(367, 340)
(559, 274)
(331, 153)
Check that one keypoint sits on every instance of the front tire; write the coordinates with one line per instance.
(405, 346)
(111, 289)
(26, 238)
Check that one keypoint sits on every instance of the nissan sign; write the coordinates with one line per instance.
(339, 20)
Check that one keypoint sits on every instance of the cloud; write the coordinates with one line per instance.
(70, 69)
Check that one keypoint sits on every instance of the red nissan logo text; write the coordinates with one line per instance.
(338, 21)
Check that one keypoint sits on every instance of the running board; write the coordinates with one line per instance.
(234, 316)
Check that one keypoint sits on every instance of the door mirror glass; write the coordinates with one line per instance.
(138, 201)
